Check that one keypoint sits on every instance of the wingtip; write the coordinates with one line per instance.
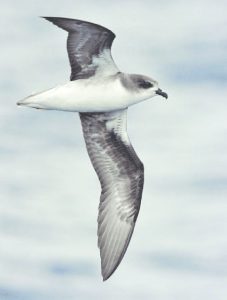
(105, 277)
(106, 274)
(47, 18)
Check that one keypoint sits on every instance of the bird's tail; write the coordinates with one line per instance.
(31, 100)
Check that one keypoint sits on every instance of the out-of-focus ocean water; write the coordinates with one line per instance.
(49, 192)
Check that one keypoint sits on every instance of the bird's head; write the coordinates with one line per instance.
(145, 86)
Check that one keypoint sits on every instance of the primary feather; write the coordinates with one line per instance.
(121, 176)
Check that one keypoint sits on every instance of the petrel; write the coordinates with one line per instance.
(101, 94)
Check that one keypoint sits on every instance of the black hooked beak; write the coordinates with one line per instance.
(160, 92)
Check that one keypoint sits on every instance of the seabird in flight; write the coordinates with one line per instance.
(101, 94)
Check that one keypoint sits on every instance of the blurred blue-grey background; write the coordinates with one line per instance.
(49, 192)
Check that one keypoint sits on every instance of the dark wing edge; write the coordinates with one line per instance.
(67, 24)
(121, 175)
(86, 42)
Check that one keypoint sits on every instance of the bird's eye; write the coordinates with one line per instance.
(145, 84)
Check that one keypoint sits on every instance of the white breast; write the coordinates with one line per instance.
(85, 95)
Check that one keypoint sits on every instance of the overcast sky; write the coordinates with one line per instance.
(49, 192)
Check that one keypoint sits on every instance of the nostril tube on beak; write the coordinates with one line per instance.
(161, 93)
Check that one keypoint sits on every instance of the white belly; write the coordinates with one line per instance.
(84, 95)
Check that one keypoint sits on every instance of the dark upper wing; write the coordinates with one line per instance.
(121, 176)
(88, 48)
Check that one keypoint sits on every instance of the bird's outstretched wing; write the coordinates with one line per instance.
(89, 48)
(121, 176)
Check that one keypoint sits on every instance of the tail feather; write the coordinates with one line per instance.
(27, 101)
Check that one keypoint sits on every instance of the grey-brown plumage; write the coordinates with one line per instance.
(86, 41)
(119, 169)
(121, 176)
